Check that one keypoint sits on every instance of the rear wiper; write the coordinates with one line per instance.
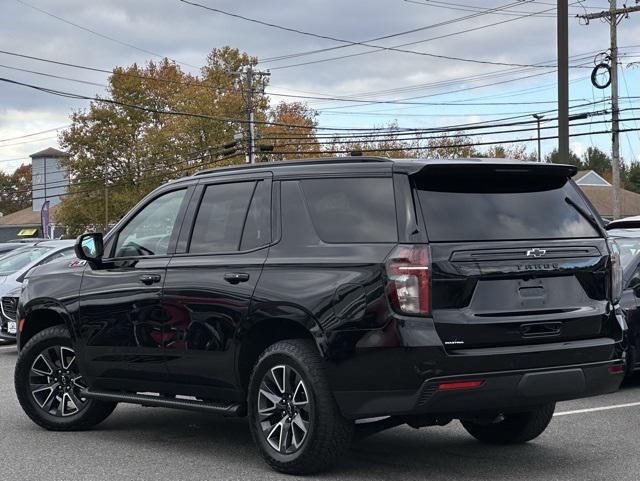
(587, 215)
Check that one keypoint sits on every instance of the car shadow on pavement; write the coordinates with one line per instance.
(401, 453)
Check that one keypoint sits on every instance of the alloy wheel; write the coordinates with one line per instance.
(284, 409)
(55, 382)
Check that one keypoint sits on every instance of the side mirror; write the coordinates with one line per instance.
(89, 247)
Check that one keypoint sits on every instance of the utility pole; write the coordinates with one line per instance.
(563, 79)
(251, 133)
(614, 16)
(106, 199)
(538, 118)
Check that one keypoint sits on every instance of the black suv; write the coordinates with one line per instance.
(307, 295)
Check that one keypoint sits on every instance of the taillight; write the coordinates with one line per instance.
(616, 271)
(408, 271)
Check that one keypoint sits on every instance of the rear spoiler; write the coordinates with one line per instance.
(484, 166)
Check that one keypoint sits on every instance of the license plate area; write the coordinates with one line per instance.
(12, 327)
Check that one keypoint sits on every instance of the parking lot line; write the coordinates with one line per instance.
(602, 408)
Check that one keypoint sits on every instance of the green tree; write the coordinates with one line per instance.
(386, 143)
(512, 151)
(595, 159)
(15, 190)
(632, 177)
(554, 157)
(459, 146)
(292, 134)
(133, 151)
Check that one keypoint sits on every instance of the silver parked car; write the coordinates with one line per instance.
(6, 247)
(14, 267)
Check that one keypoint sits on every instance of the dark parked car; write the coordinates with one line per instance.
(307, 295)
(629, 244)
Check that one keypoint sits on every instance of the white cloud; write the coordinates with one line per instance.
(188, 33)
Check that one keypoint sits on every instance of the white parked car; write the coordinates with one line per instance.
(14, 267)
(8, 315)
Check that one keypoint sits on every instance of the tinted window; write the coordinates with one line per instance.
(352, 210)
(501, 206)
(149, 232)
(220, 218)
(257, 228)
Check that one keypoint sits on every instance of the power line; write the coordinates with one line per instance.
(180, 113)
(32, 134)
(435, 25)
(344, 151)
(398, 46)
(391, 138)
(61, 93)
(209, 151)
(474, 8)
(101, 35)
(364, 44)
(457, 132)
(32, 141)
(323, 97)
(411, 148)
(613, 16)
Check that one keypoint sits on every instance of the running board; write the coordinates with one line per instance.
(225, 409)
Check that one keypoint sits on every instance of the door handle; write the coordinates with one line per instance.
(236, 277)
(149, 279)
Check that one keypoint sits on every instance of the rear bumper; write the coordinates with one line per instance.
(499, 392)
(508, 391)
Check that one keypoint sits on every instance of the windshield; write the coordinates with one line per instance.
(19, 258)
(629, 249)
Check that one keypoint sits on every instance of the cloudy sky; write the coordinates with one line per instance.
(106, 33)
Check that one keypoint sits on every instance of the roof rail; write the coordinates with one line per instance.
(288, 163)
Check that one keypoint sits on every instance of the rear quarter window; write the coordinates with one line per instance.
(501, 206)
(352, 210)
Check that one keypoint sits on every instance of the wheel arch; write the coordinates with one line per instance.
(263, 331)
(41, 315)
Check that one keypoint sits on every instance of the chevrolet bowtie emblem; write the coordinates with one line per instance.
(536, 252)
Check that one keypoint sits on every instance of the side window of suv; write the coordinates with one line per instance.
(352, 210)
(149, 232)
(257, 227)
(221, 217)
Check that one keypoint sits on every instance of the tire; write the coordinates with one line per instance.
(318, 434)
(48, 360)
(514, 428)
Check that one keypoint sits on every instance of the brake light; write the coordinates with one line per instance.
(408, 271)
(616, 271)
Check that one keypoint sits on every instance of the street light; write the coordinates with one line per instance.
(539, 117)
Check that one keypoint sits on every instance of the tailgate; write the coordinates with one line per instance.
(497, 296)
(517, 257)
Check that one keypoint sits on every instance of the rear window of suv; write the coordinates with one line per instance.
(501, 206)
(351, 210)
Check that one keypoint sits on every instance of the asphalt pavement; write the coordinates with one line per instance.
(590, 439)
